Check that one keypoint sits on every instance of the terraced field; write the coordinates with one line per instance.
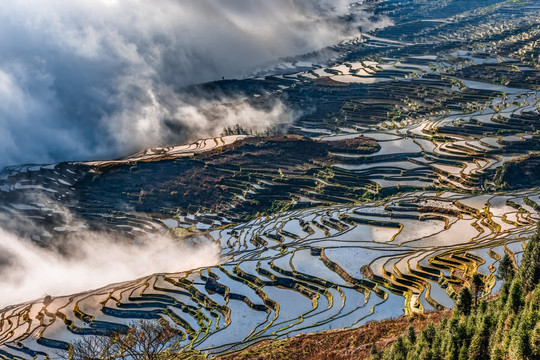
(303, 270)
(402, 181)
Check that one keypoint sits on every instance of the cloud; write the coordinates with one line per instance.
(46, 248)
(89, 260)
(87, 79)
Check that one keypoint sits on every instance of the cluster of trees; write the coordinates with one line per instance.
(505, 328)
(236, 130)
(240, 130)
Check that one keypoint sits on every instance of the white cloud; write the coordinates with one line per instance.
(80, 77)
(93, 260)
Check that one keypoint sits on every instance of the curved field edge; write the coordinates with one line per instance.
(504, 326)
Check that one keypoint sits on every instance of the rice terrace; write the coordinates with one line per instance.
(411, 166)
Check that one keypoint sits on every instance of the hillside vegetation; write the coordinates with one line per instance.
(505, 328)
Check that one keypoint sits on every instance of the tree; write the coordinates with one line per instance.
(400, 349)
(463, 355)
(480, 340)
(515, 298)
(428, 333)
(530, 264)
(145, 340)
(411, 335)
(464, 304)
(506, 269)
(535, 341)
(93, 347)
(237, 129)
(477, 286)
(519, 346)
(483, 306)
(149, 340)
(427, 355)
(375, 354)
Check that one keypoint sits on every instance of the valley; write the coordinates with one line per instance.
(413, 166)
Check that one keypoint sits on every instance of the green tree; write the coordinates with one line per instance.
(530, 264)
(506, 269)
(375, 354)
(519, 346)
(427, 354)
(399, 350)
(515, 297)
(477, 286)
(535, 341)
(428, 334)
(411, 335)
(464, 304)
(480, 341)
(463, 355)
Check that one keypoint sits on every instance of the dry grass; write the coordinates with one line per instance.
(337, 344)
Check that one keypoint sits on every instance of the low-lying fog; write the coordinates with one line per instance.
(89, 261)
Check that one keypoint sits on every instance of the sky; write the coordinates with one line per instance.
(100, 79)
